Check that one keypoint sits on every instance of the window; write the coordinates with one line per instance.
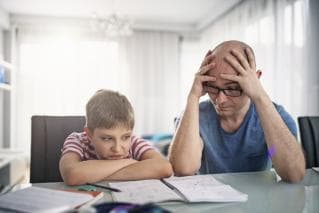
(57, 78)
(299, 23)
(288, 25)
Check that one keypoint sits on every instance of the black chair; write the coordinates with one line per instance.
(47, 137)
(309, 134)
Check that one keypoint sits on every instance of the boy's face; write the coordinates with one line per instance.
(111, 144)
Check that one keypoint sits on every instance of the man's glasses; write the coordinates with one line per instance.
(227, 92)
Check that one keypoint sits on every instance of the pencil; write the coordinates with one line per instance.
(104, 187)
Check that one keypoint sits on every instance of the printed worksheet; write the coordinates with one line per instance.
(143, 191)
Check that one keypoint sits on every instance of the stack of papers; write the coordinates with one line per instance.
(36, 199)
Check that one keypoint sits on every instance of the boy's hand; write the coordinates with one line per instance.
(152, 165)
(130, 161)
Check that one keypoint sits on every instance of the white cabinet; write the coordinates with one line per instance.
(13, 168)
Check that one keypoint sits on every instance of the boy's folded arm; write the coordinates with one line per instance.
(77, 172)
(152, 165)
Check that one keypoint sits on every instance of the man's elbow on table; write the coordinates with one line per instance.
(294, 176)
(184, 170)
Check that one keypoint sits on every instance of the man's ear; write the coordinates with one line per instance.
(88, 132)
(259, 73)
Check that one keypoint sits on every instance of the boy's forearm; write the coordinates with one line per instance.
(145, 169)
(93, 170)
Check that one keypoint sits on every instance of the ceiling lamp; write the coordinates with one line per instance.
(113, 26)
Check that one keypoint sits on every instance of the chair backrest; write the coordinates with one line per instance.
(309, 134)
(47, 137)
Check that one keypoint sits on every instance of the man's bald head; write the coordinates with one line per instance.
(224, 49)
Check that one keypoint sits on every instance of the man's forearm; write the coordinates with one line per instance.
(186, 148)
(287, 155)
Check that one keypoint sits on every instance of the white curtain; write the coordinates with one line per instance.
(62, 65)
(150, 78)
(276, 29)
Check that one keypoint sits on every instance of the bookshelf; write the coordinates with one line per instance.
(4, 86)
(6, 64)
(7, 74)
(6, 69)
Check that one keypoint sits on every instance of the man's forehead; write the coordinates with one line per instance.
(222, 67)
(222, 83)
(220, 53)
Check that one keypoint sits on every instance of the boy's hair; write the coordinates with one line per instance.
(109, 109)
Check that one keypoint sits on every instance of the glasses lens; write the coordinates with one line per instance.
(211, 89)
(233, 93)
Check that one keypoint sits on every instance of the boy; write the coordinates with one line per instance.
(107, 150)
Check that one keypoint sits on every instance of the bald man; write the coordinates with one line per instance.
(239, 129)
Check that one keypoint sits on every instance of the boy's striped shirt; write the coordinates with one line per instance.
(80, 144)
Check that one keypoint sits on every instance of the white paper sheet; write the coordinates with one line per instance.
(315, 169)
(36, 199)
(205, 188)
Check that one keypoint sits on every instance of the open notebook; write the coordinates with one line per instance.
(198, 188)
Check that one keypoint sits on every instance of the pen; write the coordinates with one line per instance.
(104, 187)
(168, 184)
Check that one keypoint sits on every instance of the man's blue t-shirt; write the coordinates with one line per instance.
(241, 151)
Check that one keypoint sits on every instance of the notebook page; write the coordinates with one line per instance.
(36, 199)
(143, 191)
(205, 188)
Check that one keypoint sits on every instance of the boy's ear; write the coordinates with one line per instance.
(88, 132)
(259, 73)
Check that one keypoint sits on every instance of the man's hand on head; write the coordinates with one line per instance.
(207, 64)
(247, 77)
